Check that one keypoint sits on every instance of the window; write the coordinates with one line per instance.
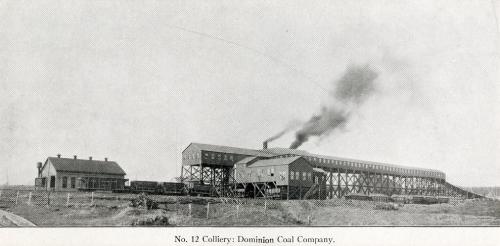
(272, 172)
(292, 175)
(297, 175)
(73, 182)
(213, 156)
(64, 182)
(309, 176)
(304, 176)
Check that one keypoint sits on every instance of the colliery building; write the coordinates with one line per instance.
(72, 174)
(296, 174)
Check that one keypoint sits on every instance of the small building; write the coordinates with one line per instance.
(280, 177)
(72, 174)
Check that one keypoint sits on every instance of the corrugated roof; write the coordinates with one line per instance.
(86, 166)
(231, 150)
(275, 161)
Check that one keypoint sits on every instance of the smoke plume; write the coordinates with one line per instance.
(349, 93)
(289, 127)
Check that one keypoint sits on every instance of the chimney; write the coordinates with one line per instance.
(264, 145)
(74, 157)
(105, 158)
(58, 155)
(39, 166)
(90, 157)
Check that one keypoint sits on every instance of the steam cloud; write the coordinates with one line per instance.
(350, 91)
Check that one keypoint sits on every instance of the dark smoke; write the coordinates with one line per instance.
(355, 85)
(351, 90)
(289, 127)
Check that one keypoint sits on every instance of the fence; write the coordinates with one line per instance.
(10, 198)
(189, 210)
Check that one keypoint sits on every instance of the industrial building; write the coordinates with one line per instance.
(296, 174)
(72, 174)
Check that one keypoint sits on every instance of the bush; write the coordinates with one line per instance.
(158, 220)
(143, 201)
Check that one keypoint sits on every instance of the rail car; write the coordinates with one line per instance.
(197, 189)
(155, 188)
(168, 188)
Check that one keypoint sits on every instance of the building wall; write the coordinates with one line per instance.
(194, 156)
(297, 173)
(77, 176)
(48, 171)
(278, 174)
(328, 162)
(302, 168)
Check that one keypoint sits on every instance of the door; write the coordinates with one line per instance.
(52, 181)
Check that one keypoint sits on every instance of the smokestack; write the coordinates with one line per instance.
(90, 157)
(58, 155)
(39, 166)
(264, 145)
(74, 157)
(105, 158)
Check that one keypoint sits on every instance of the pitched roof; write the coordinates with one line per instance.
(246, 160)
(275, 161)
(86, 166)
(227, 149)
(284, 151)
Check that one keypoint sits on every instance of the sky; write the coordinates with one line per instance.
(137, 81)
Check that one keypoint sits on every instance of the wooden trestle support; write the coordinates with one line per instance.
(338, 183)
(219, 177)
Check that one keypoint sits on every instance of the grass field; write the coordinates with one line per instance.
(338, 212)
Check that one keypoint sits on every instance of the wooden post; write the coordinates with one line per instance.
(67, 200)
(308, 219)
(265, 204)
(17, 196)
(92, 198)
(190, 209)
(29, 199)
(208, 209)
(237, 211)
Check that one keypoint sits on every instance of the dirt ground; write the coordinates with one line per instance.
(283, 213)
